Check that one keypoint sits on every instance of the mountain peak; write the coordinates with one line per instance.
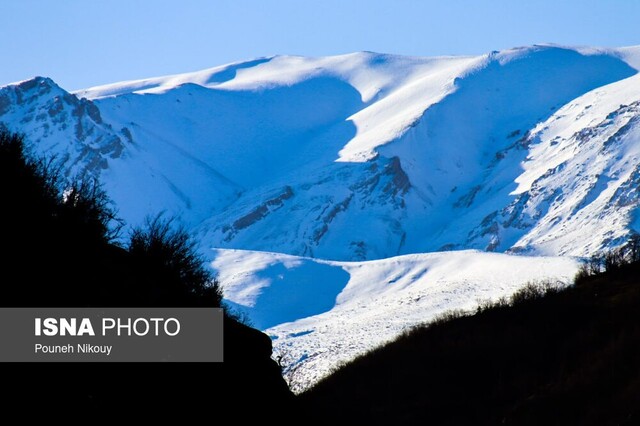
(38, 82)
(360, 158)
(342, 133)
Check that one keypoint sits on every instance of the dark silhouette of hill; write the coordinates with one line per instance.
(545, 357)
(59, 249)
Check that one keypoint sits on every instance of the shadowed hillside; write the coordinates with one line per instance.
(569, 357)
(59, 243)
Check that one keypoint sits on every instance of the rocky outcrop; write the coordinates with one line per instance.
(46, 112)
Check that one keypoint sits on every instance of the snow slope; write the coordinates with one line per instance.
(365, 161)
(142, 178)
(423, 150)
(353, 157)
(321, 313)
(581, 175)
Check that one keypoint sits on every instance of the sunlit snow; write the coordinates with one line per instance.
(344, 199)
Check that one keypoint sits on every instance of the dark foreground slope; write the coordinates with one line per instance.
(568, 358)
(58, 250)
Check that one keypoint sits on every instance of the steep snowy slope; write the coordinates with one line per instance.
(441, 181)
(353, 157)
(142, 178)
(329, 149)
(322, 313)
(578, 192)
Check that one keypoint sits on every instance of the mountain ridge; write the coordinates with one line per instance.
(405, 138)
(343, 164)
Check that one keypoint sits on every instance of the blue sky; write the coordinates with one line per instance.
(81, 43)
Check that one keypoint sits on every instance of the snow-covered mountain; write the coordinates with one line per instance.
(363, 156)
(359, 160)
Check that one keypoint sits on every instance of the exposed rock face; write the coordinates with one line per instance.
(594, 182)
(48, 115)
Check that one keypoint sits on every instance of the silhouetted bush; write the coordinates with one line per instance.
(612, 260)
(583, 272)
(633, 248)
(88, 209)
(446, 317)
(533, 291)
(167, 256)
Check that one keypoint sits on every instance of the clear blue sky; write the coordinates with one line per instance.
(80, 43)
